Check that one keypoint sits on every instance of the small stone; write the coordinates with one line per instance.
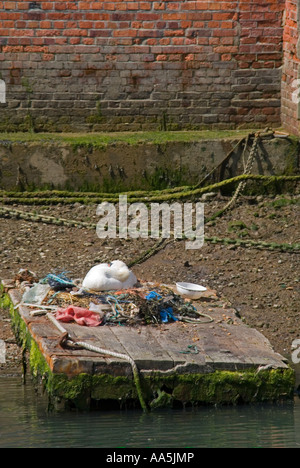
(260, 324)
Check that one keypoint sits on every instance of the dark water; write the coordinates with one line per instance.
(25, 423)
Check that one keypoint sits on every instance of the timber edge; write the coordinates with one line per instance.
(86, 391)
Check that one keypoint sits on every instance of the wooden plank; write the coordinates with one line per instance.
(103, 337)
(15, 296)
(143, 348)
(255, 346)
(60, 360)
(221, 350)
(226, 344)
(8, 284)
(176, 338)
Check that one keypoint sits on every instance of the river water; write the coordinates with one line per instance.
(25, 423)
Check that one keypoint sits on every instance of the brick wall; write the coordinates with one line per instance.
(133, 65)
(290, 85)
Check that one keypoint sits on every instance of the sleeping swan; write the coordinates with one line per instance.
(107, 277)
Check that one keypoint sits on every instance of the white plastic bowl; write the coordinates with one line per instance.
(281, 134)
(190, 290)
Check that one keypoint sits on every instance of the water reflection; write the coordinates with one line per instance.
(24, 422)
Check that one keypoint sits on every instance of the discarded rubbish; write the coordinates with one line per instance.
(25, 276)
(190, 290)
(166, 313)
(143, 306)
(131, 303)
(36, 294)
(99, 308)
(79, 315)
(59, 282)
(278, 134)
(191, 349)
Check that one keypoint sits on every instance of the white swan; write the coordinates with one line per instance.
(108, 277)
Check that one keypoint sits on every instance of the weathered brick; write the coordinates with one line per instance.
(198, 60)
(290, 110)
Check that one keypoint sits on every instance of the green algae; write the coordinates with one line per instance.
(101, 139)
(218, 387)
(227, 387)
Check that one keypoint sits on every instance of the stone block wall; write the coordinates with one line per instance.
(291, 70)
(137, 65)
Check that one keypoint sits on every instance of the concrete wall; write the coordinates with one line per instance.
(142, 166)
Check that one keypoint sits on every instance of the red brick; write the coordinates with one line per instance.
(166, 44)
(48, 57)
(125, 33)
(10, 5)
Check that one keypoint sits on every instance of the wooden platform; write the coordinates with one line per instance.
(226, 344)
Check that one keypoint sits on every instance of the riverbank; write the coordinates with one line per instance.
(262, 285)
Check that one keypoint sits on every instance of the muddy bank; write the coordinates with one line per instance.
(263, 285)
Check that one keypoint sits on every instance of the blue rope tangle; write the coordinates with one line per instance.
(59, 282)
(116, 305)
(191, 349)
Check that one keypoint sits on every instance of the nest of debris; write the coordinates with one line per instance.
(146, 304)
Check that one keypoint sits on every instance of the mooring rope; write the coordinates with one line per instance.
(242, 184)
(8, 212)
(266, 133)
(82, 344)
(179, 193)
(150, 197)
(224, 161)
(284, 247)
(247, 171)
(151, 252)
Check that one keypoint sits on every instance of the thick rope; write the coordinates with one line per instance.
(149, 197)
(7, 212)
(247, 171)
(242, 184)
(285, 247)
(69, 341)
(151, 252)
(164, 196)
(224, 161)
(34, 217)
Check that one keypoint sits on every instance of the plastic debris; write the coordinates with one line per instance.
(145, 304)
(191, 349)
(166, 313)
(79, 315)
(36, 294)
(59, 282)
